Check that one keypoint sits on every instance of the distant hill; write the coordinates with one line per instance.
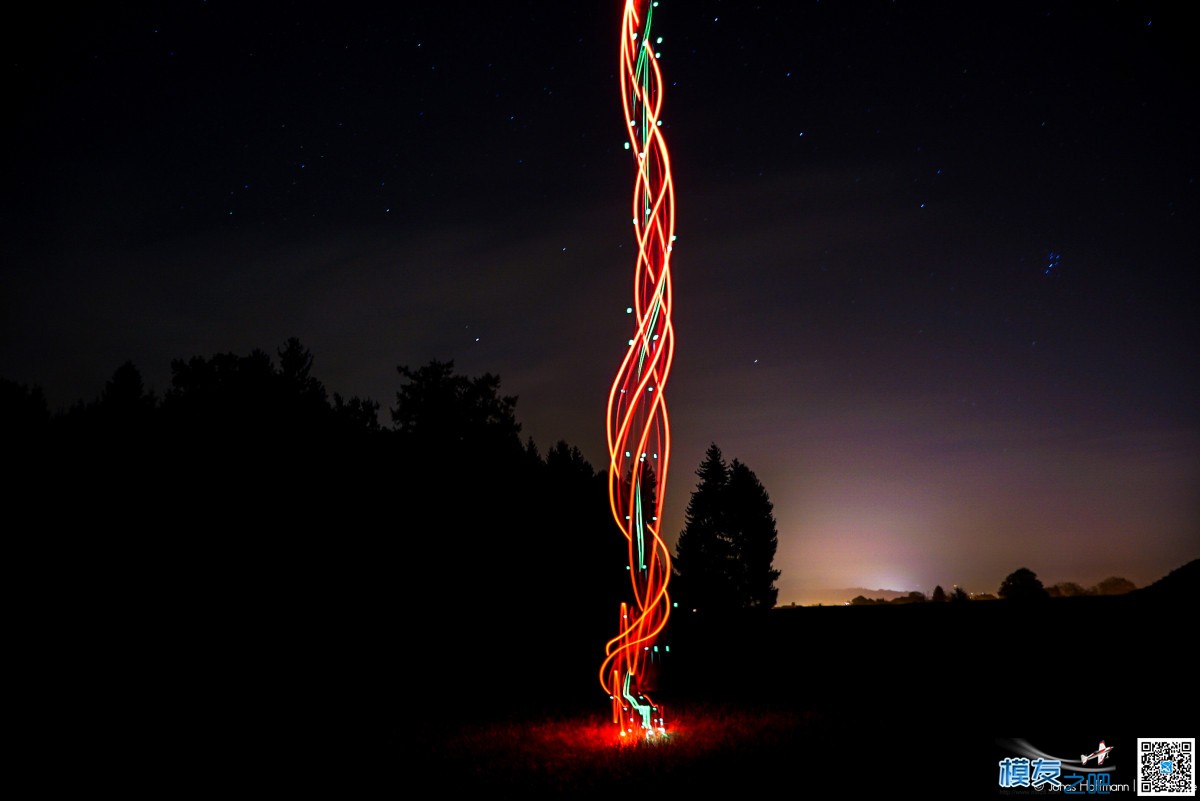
(832, 597)
(1179, 583)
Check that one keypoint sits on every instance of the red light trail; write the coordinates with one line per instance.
(639, 440)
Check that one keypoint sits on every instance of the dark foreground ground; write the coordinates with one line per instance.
(337, 700)
(907, 700)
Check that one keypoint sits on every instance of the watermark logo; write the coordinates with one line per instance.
(1090, 783)
(1025, 772)
(1033, 771)
(1099, 754)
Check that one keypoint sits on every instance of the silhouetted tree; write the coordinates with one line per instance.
(24, 414)
(356, 414)
(463, 476)
(439, 411)
(750, 520)
(1022, 585)
(579, 558)
(122, 409)
(725, 553)
(24, 434)
(566, 460)
(225, 397)
(125, 393)
(703, 551)
(959, 595)
(1066, 589)
(302, 397)
(1115, 585)
(271, 498)
(242, 400)
(255, 453)
(939, 595)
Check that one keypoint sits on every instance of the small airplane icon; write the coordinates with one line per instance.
(1100, 753)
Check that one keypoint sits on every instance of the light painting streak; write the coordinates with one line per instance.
(639, 441)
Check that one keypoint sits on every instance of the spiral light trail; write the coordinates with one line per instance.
(639, 439)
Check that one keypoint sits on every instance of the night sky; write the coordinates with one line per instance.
(935, 281)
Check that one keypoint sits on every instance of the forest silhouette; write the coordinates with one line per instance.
(253, 555)
(250, 544)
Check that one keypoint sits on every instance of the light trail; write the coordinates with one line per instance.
(639, 441)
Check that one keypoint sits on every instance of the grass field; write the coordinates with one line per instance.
(831, 700)
(819, 701)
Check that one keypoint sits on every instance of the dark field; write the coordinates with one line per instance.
(341, 701)
(828, 699)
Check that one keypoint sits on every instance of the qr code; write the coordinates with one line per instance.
(1166, 767)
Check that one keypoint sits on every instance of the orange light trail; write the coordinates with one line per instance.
(639, 440)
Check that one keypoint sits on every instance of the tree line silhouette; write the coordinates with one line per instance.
(1022, 585)
(247, 504)
(250, 564)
